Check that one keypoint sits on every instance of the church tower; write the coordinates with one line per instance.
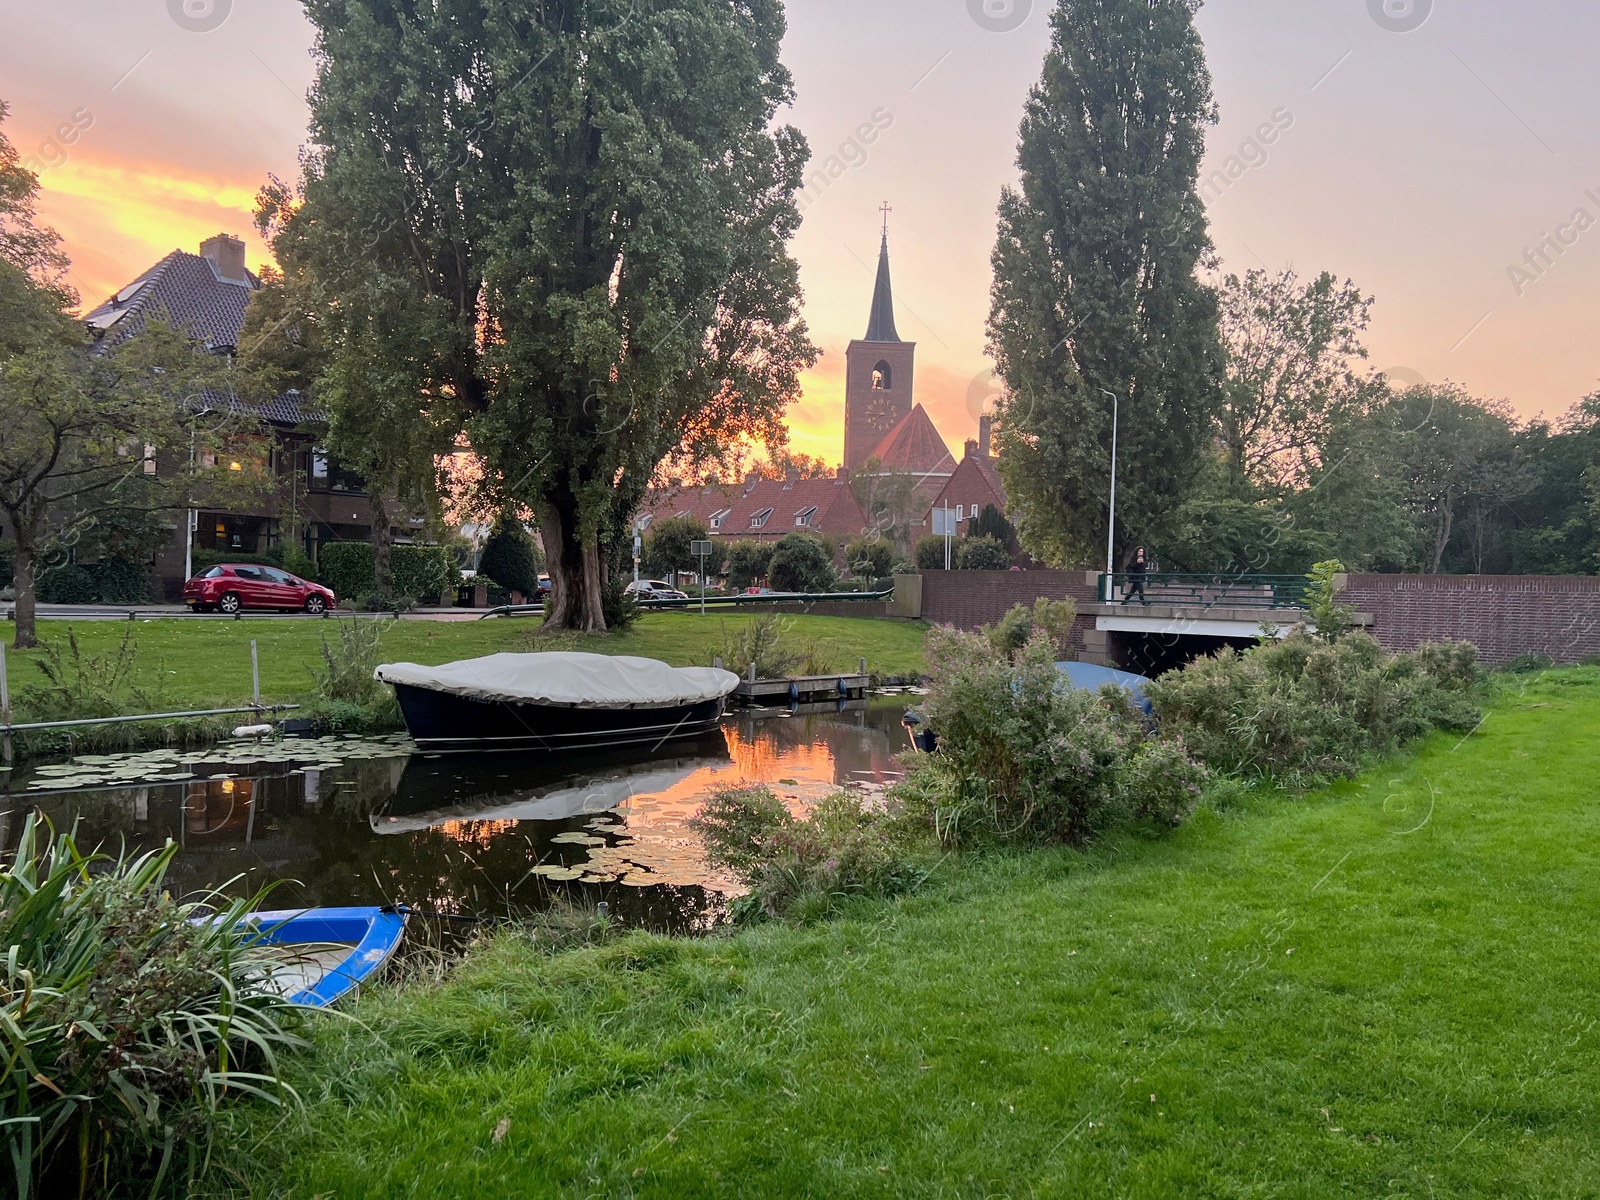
(877, 373)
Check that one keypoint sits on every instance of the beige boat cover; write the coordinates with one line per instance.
(569, 679)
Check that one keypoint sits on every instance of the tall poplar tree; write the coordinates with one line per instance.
(1095, 279)
(561, 227)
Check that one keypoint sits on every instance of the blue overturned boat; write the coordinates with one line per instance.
(326, 953)
(1085, 677)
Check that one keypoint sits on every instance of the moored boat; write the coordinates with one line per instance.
(560, 700)
(327, 952)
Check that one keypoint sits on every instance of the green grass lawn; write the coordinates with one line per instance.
(206, 663)
(1388, 988)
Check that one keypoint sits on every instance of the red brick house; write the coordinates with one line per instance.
(315, 501)
(971, 486)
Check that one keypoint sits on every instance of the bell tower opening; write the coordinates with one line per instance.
(882, 377)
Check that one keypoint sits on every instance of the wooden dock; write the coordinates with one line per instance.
(803, 689)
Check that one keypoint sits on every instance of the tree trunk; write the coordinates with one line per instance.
(1442, 531)
(24, 571)
(382, 539)
(577, 572)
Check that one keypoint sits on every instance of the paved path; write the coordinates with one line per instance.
(125, 612)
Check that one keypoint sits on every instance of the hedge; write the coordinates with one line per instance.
(420, 572)
(346, 567)
(111, 581)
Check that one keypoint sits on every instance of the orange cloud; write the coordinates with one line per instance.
(117, 220)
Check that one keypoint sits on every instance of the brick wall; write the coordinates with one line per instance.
(1503, 615)
(968, 599)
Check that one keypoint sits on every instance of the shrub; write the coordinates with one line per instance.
(129, 1018)
(1302, 709)
(930, 553)
(70, 583)
(348, 665)
(981, 554)
(1332, 620)
(748, 562)
(1021, 757)
(297, 562)
(869, 557)
(423, 571)
(121, 581)
(510, 559)
(991, 522)
(801, 563)
(802, 866)
(80, 685)
(760, 641)
(1055, 617)
(1161, 783)
(666, 547)
(1530, 664)
(346, 567)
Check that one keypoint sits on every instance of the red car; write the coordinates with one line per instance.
(229, 588)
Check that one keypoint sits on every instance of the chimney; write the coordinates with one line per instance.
(983, 435)
(971, 448)
(226, 253)
(843, 473)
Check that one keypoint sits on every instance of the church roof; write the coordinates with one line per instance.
(914, 446)
(880, 328)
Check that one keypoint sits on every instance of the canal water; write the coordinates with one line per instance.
(342, 821)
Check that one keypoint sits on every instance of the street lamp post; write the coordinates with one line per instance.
(1111, 527)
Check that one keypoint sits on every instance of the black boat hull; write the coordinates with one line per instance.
(443, 721)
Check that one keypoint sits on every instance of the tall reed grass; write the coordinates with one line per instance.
(127, 1018)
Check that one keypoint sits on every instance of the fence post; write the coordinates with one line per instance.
(5, 705)
(255, 674)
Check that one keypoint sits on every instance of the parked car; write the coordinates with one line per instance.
(229, 588)
(655, 589)
(544, 586)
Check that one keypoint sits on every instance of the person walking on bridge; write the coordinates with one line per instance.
(1136, 573)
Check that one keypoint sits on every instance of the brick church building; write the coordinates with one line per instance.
(885, 430)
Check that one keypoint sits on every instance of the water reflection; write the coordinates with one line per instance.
(364, 822)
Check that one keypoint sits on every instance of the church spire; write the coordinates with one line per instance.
(881, 326)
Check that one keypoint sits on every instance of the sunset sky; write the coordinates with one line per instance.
(1422, 164)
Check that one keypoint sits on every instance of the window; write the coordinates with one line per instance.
(718, 517)
(254, 574)
(805, 515)
(280, 577)
(960, 513)
(882, 377)
(328, 476)
(213, 573)
(759, 520)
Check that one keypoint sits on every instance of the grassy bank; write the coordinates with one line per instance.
(206, 663)
(1383, 989)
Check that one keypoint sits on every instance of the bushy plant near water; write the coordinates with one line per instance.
(1301, 709)
(803, 866)
(350, 697)
(1023, 757)
(128, 1019)
(1012, 631)
(765, 642)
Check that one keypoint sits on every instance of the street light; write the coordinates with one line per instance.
(1111, 529)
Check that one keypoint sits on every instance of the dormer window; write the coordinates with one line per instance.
(759, 520)
(718, 517)
(805, 515)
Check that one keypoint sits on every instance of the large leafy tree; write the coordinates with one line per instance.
(1291, 349)
(90, 443)
(1095, 278)
(561, 227)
